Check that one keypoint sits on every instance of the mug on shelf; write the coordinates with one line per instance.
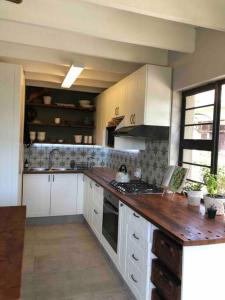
(90, 139)
(78, 139)
(32, 136)
(57, 120)
(41, 136)
(86, 139)
(47, 100)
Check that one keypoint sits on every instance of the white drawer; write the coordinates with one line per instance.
(136, 281)
(135, 235)
(139, 256)
(137, 221)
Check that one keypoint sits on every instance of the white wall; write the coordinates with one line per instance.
(207, 63)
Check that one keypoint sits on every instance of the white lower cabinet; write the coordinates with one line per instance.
(93, 206)
(36, 194)
(52, 194)
(135, 242)
(122, 239)
(80, 194)
(63, 194)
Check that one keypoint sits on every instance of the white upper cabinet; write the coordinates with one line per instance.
(143, 98)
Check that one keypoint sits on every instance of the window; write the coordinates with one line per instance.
(202, 137)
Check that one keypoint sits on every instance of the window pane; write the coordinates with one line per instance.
(198, 132)
(221, 154)
(199, 157)
(195, 173)
(199, 115)
(200, 99)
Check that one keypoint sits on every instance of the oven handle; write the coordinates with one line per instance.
(110, 207)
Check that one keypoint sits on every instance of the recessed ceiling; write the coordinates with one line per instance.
(110, 42)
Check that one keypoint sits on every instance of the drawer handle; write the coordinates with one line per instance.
(132, 277)
(163, 243)
(166, 278)
(135, 258)
(95, 211)
(136, 237)
(136, 216)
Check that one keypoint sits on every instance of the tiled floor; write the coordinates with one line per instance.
(65, 262)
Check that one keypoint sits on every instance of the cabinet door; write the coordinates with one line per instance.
(36, 194)
(86, 181)
(63, 194)
(80, 194)
(88, 191)
(135, 98)
(122, 238)
(97, 213)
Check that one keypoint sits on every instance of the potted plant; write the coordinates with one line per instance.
(211, 212)
(214, 183)
(194, 193)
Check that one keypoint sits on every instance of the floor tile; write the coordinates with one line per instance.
(65, 262)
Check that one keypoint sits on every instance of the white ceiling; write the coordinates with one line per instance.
(110, 38)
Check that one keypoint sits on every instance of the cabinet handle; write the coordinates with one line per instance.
(136, 237)
(136, 216)
(135, 258)
(121, 204)
(97, 185)
(132, 277)
(49, 178)
(131, 116)
(133, 119)
(53, 178)
(95, 211)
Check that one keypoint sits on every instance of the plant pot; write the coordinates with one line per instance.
(211, 213)
(194, 197)
(218, 203)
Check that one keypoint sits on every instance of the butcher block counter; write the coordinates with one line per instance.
(189, 226)
(12, 225)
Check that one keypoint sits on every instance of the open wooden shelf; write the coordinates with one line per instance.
(54, 106)
(67, 125)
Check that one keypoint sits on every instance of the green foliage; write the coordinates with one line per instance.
(193, 186)
(210, 181)
(221, 181)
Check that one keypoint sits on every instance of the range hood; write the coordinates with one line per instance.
(143, 131)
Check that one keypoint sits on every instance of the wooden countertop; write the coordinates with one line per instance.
(53, 172)
(187, 225)
(12, 225)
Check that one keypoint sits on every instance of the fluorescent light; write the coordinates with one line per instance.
(71, 76)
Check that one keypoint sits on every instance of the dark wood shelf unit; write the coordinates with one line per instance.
(67, 125)
(54, 106)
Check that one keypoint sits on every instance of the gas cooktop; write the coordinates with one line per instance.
(136, 187)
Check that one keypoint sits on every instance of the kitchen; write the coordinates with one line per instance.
(148, 103)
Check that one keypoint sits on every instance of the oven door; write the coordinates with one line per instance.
(110, 219)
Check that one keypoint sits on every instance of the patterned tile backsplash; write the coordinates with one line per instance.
(152, 161)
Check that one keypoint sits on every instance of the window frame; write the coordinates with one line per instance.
(204, 145)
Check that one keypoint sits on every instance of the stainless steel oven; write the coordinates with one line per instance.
(110, 219)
